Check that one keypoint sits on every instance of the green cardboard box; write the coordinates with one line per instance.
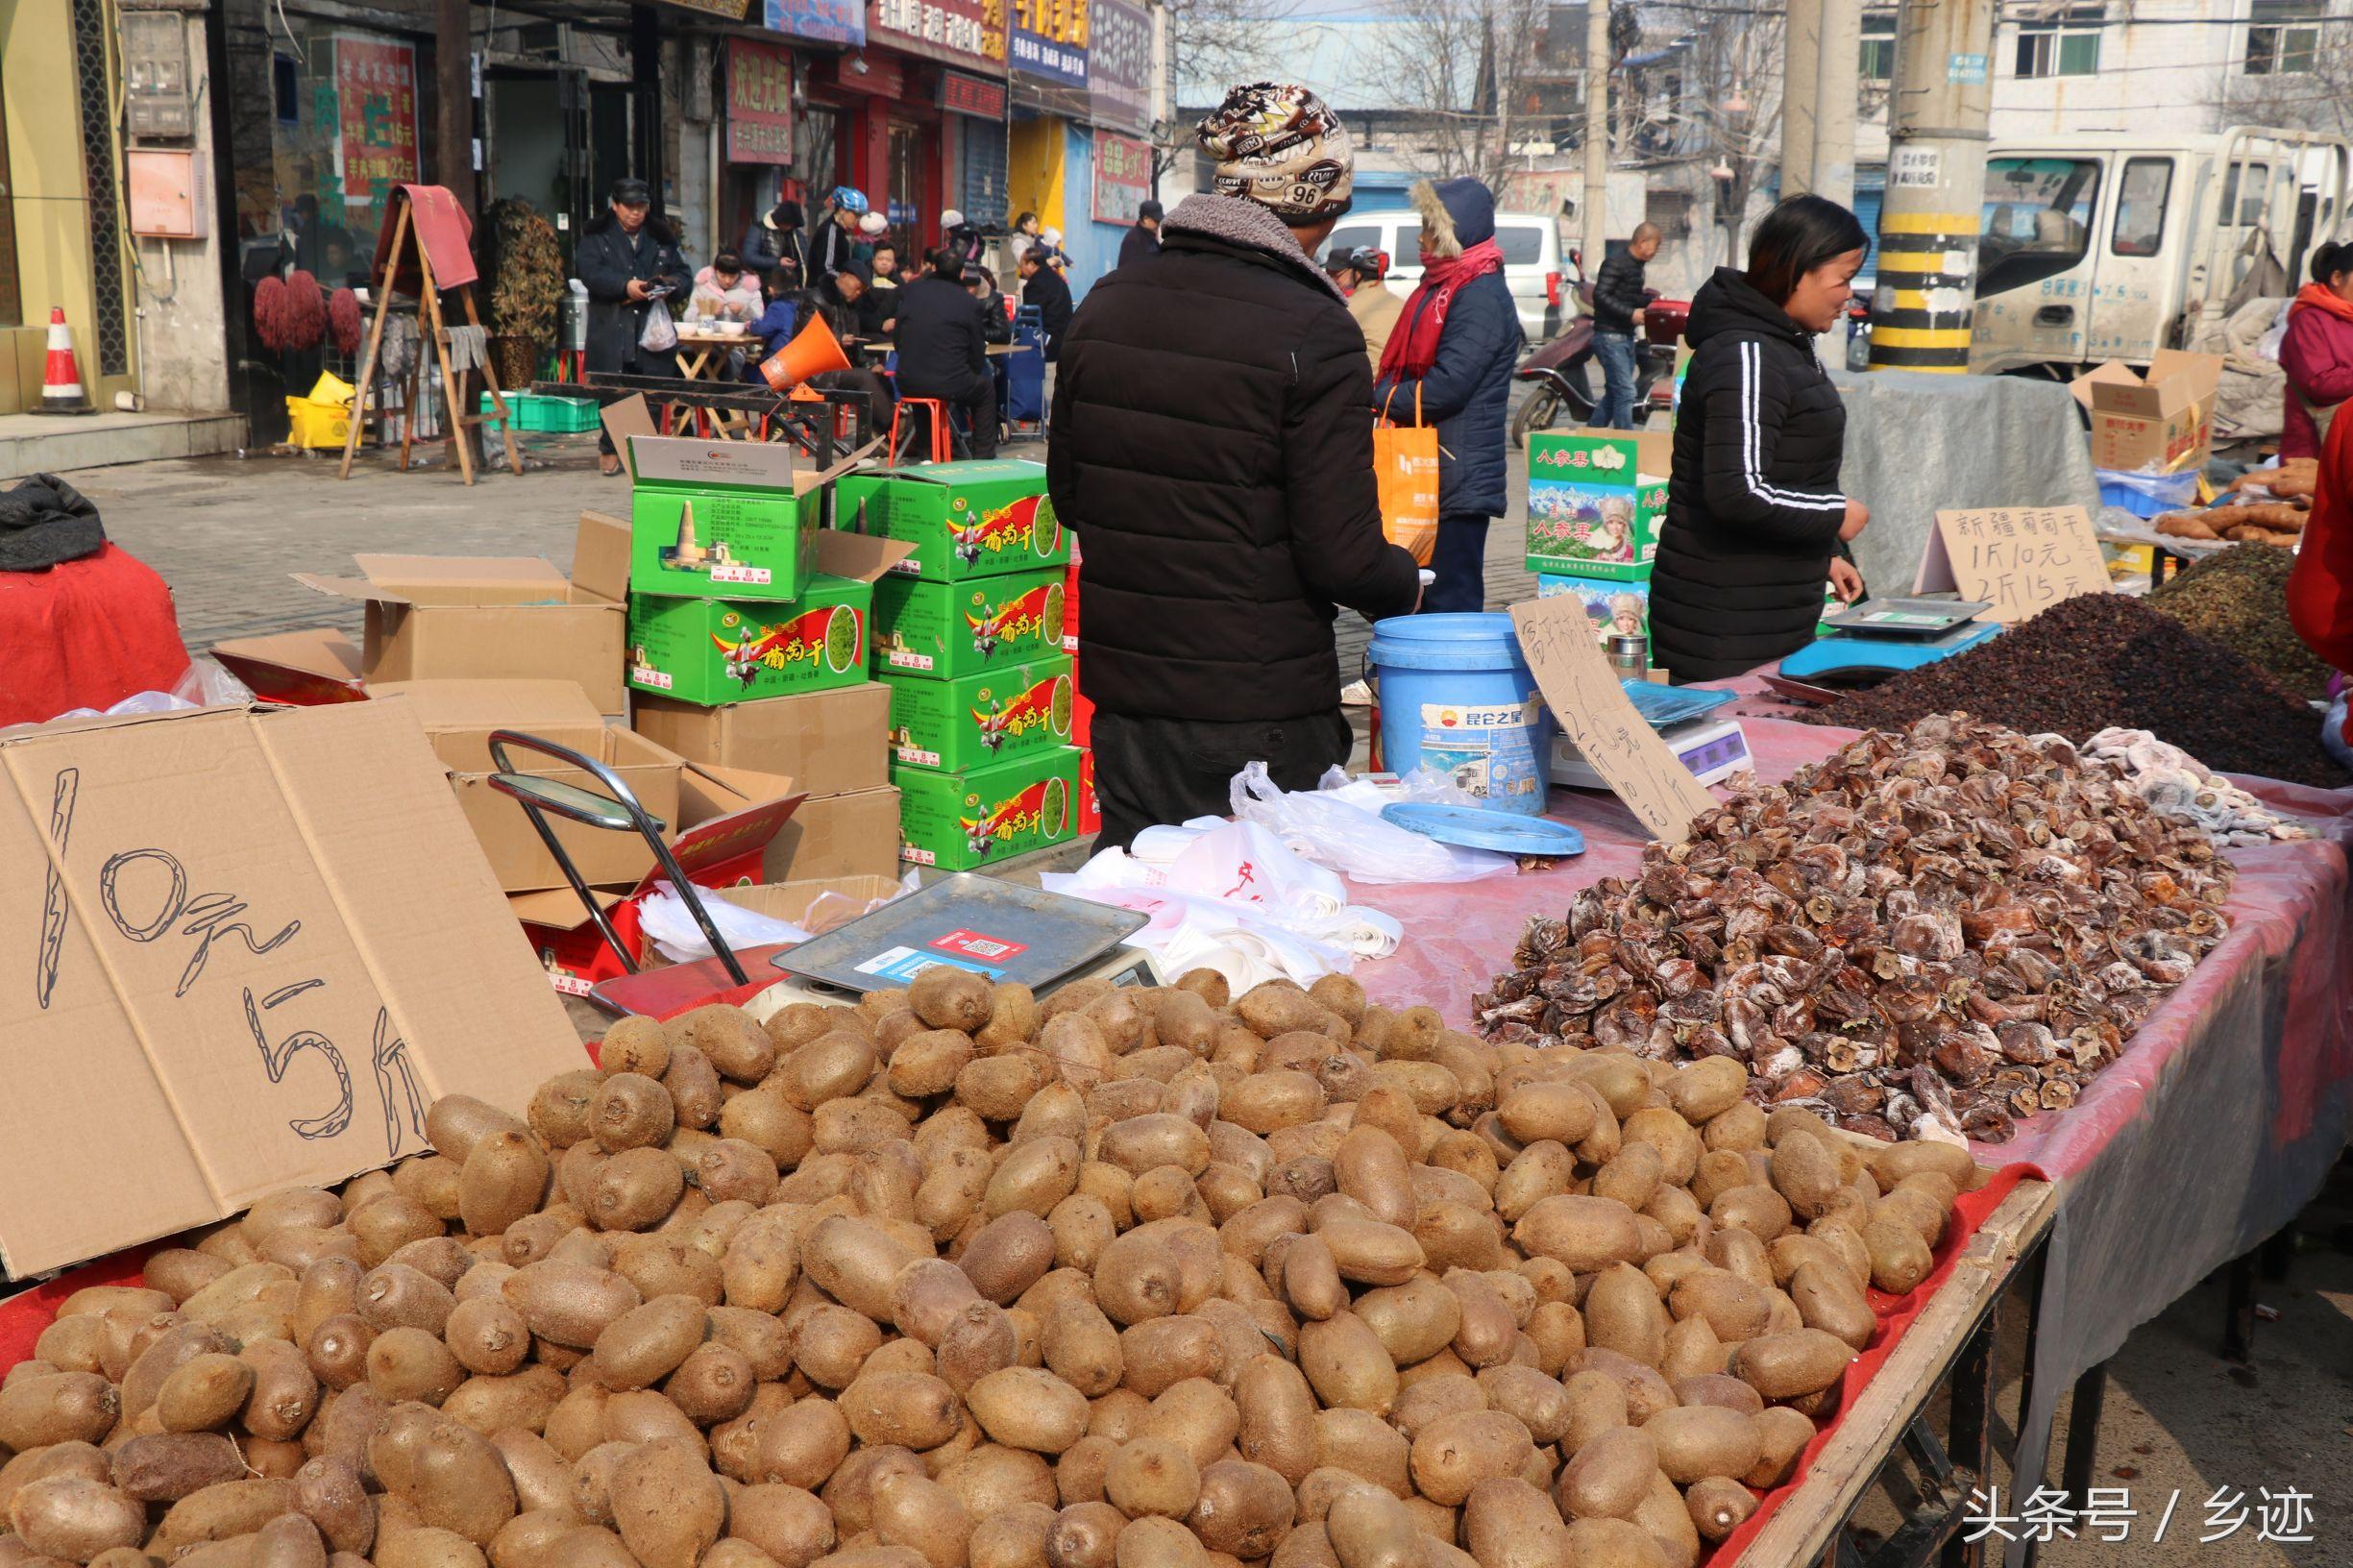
(715, 650)
(1591, 513)
(720, 518)
(949, 630)
(951, 724)
(982, 817)
(965, 520)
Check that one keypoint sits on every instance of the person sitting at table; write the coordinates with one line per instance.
(784, 315)
(882, 286)
(943, 348)
(723, 291)
(981, 284)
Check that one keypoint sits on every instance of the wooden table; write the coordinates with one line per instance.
(1890, 1431)
(705, 356)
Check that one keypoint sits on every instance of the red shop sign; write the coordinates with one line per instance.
(759, 103)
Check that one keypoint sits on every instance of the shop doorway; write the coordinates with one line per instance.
(558, 140)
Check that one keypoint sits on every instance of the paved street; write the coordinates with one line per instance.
(227, 533)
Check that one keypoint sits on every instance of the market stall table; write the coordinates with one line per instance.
(2245, 1071)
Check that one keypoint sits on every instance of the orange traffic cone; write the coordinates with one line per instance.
(62, 390)
(813, 351)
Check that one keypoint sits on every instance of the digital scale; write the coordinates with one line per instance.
(1713, 750)
(1882, 637)
(1000, 932)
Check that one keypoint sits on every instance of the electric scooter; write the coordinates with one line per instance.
(1565, 378)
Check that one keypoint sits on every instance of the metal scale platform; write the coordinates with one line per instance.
(1882, 637)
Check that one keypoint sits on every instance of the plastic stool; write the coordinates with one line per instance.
(942, 437)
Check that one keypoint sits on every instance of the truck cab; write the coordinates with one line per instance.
(2104, 247)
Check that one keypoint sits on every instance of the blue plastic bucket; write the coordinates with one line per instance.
(1457, 697)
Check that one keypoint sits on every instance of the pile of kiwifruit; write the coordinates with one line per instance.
(954, 1279)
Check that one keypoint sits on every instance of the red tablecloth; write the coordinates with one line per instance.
(85, 634)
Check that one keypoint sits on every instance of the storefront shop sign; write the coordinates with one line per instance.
(950, 30)
(376, 92)
(1122, 177)
(973, 95)
(759, 103)
(1049, 41)
(1119, 63)
(732, 10)
(821, 21)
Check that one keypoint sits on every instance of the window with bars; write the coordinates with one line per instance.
(2067, 44)
(2283, 37)
(1878, 61)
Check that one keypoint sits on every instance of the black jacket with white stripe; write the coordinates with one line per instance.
(1754, 512)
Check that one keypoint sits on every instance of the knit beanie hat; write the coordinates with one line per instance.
(1280, 145)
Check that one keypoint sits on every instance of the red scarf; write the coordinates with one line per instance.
(2323, 297)
(1415, 346)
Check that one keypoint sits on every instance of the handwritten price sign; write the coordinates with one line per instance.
(2019, 559)
(1600, 720)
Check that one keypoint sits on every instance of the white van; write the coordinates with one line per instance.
(2102, 247)
(1531, 244)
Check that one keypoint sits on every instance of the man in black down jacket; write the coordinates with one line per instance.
(1050, 292)
(1619, 298)
(1212, 447)
(943, 348)
(621, 258)
(1460, 382)
(1143, 239)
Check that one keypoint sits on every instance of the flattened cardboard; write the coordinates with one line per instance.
(827, 743)
(625, 422)
(838, 835)
(487, 618)
(459, 716)
(1600, 720)
(302, 669)
(2021, 559)
(230, 970)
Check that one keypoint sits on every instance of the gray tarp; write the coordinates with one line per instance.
(1915, 444)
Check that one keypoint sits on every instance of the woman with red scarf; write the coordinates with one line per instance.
(2320, 585)
(1448, 363)
(2317, 353)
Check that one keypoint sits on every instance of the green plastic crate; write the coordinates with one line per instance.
(566, 416)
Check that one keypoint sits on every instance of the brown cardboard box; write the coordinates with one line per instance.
(315, 664)
(249, 947)
(458, 717)
(1654, 449)
(2162, 420)
(827, 743)
(497, 617)
(837, 835)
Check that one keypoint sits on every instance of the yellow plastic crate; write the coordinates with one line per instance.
(320, 424)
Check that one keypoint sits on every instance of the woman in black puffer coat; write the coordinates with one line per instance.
(1755, 521)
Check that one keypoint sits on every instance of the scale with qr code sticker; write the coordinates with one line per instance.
(998, 930)
(1713, 749)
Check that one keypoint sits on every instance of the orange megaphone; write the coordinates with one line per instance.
(813, 351)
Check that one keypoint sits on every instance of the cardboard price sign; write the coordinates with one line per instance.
(1596, 714)
(2019, 559)
(239, 950)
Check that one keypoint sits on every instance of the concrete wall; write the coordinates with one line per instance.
(183, 336)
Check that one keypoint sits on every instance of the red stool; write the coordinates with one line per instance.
(942, 439)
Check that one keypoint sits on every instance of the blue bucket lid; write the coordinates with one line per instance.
(1481, 641)
(1475, 828)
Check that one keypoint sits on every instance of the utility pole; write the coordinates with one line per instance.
(1597, 135)
(1839, 66)
(1801, 76)
(1925, 304)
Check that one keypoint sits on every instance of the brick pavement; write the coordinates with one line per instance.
(226, 533)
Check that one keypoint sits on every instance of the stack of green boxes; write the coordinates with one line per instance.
(1594, 507)
(968, 635)
(726, 601)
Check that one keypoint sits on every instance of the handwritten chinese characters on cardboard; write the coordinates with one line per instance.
(239, 950)
(2019, 559)
(1598, 717)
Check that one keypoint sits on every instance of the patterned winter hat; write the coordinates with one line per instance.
(1280, 145)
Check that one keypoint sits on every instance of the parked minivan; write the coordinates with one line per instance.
(1531, 244)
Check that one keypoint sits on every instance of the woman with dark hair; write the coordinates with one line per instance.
(1755, 521)
(2317, 353)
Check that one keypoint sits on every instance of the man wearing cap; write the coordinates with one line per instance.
(1213, 446)
(1143, 239)
(959, 236)
(629, 261)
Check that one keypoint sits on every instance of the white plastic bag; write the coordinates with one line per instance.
(670, 925)
(661, 333)
(1352, 840)
(205, 684)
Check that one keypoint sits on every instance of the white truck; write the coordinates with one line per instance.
(2097, 246)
